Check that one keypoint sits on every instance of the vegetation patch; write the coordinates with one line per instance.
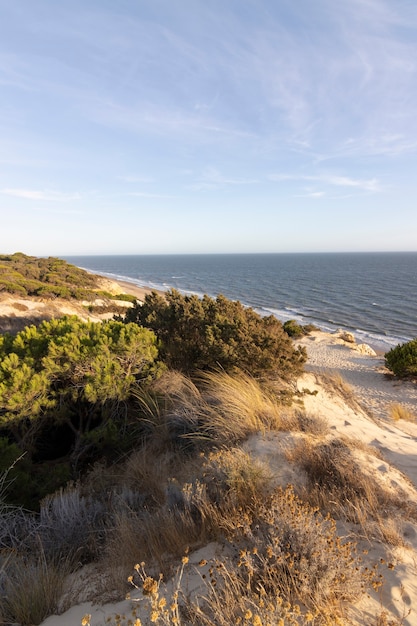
(402, 360)
(212, 334)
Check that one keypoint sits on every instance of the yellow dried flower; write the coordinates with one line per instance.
(185, 560)
(162, 603)
(248, 614)
(154, 616)
(86, 620)
(257, 621)
(138, 622)
(150, 586)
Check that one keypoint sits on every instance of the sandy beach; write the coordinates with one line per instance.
(372, 383)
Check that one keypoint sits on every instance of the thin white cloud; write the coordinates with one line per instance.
(370, 185)
(46, 195)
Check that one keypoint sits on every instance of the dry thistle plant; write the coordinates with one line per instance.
(295, 552)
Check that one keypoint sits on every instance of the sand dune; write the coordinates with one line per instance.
(361, 413)
(364, 415)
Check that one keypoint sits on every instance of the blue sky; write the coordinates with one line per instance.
(161, 126)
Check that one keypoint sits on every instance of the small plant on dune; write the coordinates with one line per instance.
(70, 524)
(233, 479)
(337, 483)
(402, 360)
(31, 588)
(398, 411)
(311, 424)
(294, 551)
(296, 331)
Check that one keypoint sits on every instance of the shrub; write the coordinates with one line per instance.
(70, 524)
(31, 589)
(293, 329)
(402, 360)
(295, 552)
(72, 372)
(205, 334)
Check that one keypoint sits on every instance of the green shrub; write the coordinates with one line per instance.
(206, 334)
(6, 285)
(65, 378)
(402, 360)
(46, 277)
(293, 329)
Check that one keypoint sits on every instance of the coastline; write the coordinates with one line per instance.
(362, 369)
(373, 385)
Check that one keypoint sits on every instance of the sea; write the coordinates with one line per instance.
(373, 295)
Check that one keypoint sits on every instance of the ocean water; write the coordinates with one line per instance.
(373, 295)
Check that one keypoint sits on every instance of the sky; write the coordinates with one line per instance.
(207, 126)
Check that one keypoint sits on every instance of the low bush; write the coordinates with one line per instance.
(71, 524)
(206, 334)
(402, 360)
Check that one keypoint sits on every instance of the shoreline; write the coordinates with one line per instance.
(372, 383)
(379, 346)
(365, 373)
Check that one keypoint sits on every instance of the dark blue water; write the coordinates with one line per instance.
(373, 295)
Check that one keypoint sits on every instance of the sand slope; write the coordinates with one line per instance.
(364, 417)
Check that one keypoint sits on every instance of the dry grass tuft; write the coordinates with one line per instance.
(31, 589)
(309, 424)
(223, 409)
(233, 479)
(339, 485)
(398, 411)
(238, 406)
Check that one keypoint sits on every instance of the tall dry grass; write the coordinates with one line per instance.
(31, 588)
(398, 411)
(237, 406)
(339, 484)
